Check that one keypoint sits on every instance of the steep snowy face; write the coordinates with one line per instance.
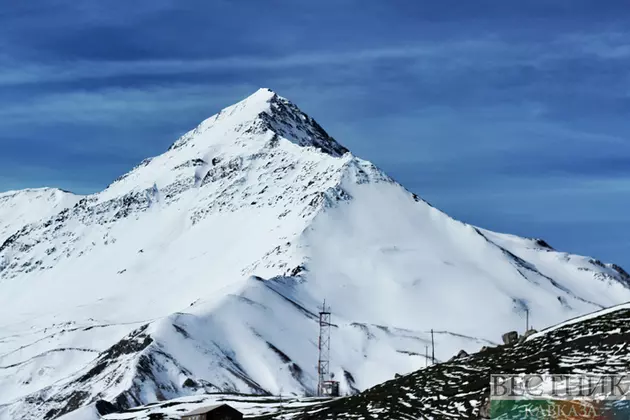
(202, 270)
(262, 155)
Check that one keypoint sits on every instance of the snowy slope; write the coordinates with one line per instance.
(19, 208)
(202, 270)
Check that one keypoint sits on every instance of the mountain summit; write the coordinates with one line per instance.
(265, 111)
(202, 270)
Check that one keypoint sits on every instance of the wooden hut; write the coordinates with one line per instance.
(214, 412)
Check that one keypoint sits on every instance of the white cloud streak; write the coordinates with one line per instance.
(489, 51)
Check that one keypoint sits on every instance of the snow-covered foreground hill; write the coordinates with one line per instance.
(460, 389)
(202, 270)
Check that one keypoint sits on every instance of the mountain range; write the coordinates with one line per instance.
(203, 270)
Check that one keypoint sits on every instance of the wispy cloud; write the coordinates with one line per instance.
(611, 45)
(118, 105)
(488, 52)
(18, 72)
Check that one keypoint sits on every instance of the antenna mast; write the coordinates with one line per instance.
(323, 366)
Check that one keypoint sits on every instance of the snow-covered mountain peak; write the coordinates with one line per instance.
(263, 126)
(260, 113)
(259, 101)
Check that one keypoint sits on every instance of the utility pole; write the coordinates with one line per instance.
(432, 348)
(281, 408)
(426, 356)
(526, 319)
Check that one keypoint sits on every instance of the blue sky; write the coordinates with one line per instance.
(510, 115)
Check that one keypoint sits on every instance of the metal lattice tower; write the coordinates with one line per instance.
(323, 366)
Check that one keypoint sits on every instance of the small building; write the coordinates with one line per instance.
(214, 412)
(510, 338)
(329, 389)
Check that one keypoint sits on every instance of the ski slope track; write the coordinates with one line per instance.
(202, 271)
